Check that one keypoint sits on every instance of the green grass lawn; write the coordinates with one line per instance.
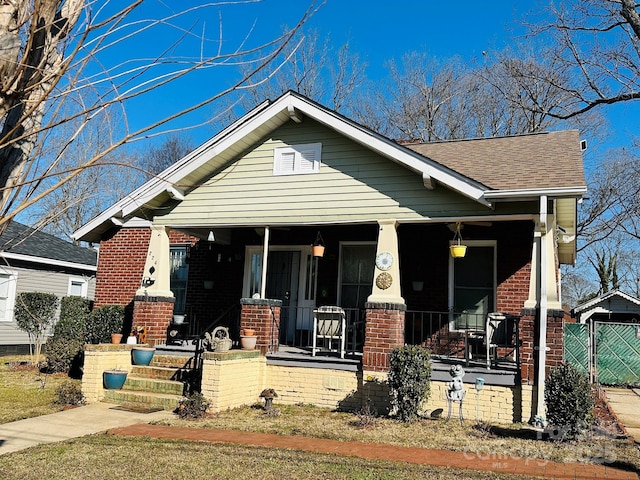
(107, 457)
(24, 391)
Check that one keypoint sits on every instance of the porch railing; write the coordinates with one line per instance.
(449, 335)
(296, 328)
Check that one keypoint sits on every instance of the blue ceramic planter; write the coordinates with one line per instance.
(114, 379)
(142, 355)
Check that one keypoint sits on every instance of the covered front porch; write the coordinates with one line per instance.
(443, 302)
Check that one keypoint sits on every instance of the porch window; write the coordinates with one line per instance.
(8, 280)
(178, 278)
(356, 273)
(297, 159)
(472, 287)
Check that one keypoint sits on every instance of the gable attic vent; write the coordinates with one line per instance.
(297, 159)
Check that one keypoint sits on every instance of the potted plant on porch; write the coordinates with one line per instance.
(248, 339)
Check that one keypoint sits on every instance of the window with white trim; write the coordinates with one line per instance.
(297, 159)
(8, 281)
(78, 287)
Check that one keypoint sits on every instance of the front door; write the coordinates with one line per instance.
(290, 278)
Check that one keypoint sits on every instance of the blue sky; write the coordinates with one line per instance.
(376, 30)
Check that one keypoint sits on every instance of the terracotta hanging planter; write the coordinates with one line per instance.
(318, 246)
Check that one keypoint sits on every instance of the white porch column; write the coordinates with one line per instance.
(386, 277)
(157, 268)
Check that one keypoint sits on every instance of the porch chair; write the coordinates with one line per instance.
(329, 323)
(501, 332)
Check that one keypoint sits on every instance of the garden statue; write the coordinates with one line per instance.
(456, 392)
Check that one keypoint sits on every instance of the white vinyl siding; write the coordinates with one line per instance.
(297, 159)
(28, 280)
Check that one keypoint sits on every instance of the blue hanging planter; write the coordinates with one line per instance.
(142, 355)
(114, 379)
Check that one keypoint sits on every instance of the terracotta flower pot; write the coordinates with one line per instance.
(248, 332)
(116, 338)
(318, 250)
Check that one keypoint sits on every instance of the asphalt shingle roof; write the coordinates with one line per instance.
(24, 240)
(521, 162)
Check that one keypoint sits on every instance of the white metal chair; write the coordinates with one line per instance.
(501, 331)
(329, 324)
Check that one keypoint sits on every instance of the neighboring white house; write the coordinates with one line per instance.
(34, 261)
(613, 306)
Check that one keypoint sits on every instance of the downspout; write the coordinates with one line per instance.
(265, 254)
(542, 341)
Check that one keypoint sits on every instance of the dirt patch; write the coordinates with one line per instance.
(605, 422)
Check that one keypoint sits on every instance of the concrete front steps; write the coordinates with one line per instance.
(161, 385)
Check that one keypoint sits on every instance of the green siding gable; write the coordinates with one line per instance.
(354, 184)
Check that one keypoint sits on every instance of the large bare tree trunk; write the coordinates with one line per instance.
(28, 76)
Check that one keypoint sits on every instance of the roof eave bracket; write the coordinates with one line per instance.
(294, 114)
(428, 181)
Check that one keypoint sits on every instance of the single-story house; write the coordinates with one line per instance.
(226, 236)
(35, 261)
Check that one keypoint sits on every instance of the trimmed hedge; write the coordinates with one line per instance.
(64, 349)
(104, 321)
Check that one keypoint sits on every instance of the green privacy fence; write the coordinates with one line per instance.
(616, 352)
(576, 345)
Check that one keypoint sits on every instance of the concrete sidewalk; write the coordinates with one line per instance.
(625, 403)
(76, 422)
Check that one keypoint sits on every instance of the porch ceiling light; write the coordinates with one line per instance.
(458, 250)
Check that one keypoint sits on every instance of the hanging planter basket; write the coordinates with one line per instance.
(458, 251)
(318, 246)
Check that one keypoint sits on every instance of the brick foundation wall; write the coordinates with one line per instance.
(155, 314)
(120, 265)
(263, 316)
(384, 331)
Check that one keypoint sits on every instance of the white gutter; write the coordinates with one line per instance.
(48, 261)
(536, 193)
(542, 341)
